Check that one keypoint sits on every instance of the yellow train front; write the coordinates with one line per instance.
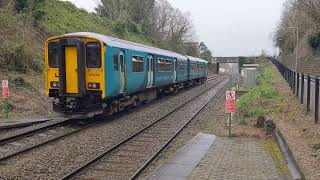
(75, 73)
(89, 73)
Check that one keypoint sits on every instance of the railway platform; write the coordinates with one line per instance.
(22, 122)
(210, 157)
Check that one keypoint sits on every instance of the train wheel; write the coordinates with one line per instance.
(114, 108)
(135, 101)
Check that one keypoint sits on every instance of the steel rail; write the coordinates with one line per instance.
(42, 129)
(32, 132)
(24, 124)
(145, 165)
(45, 142)
(112, 149)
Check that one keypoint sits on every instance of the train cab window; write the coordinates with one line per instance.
(137, 64)
(116, 62)
(53, 56)
(93, 55)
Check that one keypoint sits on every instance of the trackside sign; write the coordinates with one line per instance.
(5, 89)
(230, 102)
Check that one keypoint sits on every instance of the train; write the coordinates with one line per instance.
(89, 73)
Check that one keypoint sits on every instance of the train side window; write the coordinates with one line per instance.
(53, 56)
(137, 64)
(116, 62)
(164, 65)
(93, 55)
(194, 67)
(181, 66)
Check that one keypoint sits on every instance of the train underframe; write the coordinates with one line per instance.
(92, 104)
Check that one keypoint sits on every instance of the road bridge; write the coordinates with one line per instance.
(231, 65)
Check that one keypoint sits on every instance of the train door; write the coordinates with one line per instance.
(71, 61)
(175, 70)
(122, 73)
(150, 71)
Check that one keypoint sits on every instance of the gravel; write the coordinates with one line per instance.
(55, 160)
(203, 122)
(36, 139)
(149, 143)
(16, 131)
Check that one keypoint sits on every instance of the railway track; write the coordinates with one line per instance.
(23, 125)
(21, 143)
(127, 159)
(15, 145)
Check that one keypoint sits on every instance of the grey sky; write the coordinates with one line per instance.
(229, 27)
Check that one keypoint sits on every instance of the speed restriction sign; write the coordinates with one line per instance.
(230, 102)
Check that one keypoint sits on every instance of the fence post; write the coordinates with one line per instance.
(297, 84)
(302, 88)
(316, 107)
(308, 92)
(292, 81)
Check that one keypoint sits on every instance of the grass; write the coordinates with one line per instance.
(260, 100)
(21, 41)
(63, 17)
(272, 148)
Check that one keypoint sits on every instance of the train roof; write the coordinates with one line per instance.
(115, 42)
(196, 59)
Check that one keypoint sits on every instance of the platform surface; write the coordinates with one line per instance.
(238, 159)
(186, 159)
(210, 157)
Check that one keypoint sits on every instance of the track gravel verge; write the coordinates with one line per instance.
(55, 160)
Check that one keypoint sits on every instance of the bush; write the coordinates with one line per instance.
(19, 58)
(120, 28)
(314, 41)
(20, 82)
(259, 101)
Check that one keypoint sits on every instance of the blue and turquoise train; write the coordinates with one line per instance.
(90, 73)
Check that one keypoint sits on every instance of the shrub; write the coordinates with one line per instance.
(120, 28)
(19, 58)
(259, 101)
(314, 41)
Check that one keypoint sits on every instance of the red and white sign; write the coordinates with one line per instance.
(230, 102)
(5, 89)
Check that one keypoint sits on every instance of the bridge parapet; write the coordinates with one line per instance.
(226, 60)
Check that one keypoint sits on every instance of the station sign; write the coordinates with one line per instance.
(5, 89)
(230, 102)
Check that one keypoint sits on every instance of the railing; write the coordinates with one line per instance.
(304, 86)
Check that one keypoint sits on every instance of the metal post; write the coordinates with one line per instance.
(294, 82)
(316, 116)
(6, 109)
(297, 84)
(229, 123)
(308, 92)
(302, 88)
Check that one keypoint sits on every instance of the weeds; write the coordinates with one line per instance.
(260, 100)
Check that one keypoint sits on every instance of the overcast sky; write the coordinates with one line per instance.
(228, 27)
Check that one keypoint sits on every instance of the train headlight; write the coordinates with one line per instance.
(55, 84)
(94, 85)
